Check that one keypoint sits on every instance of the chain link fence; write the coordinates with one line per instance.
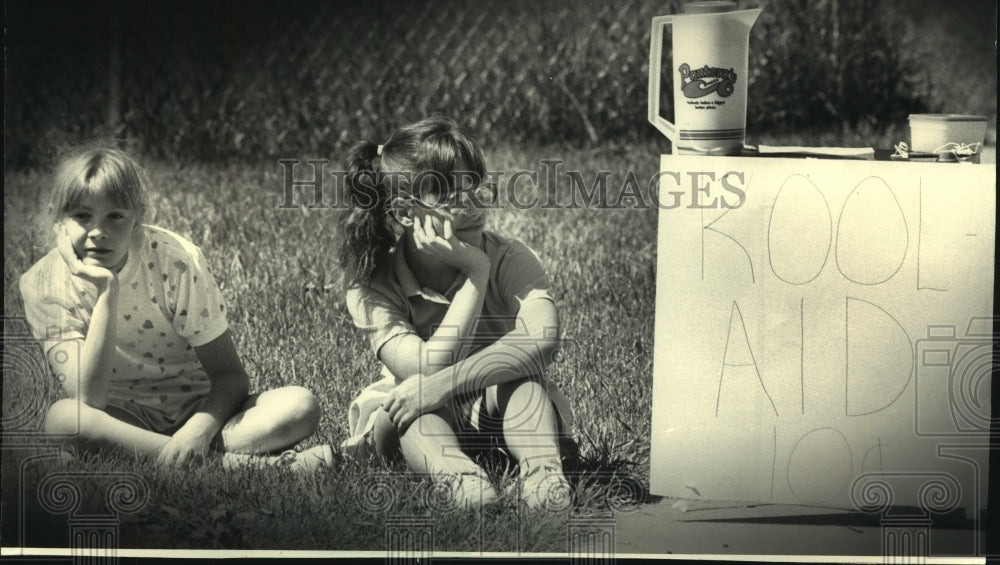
(228, 80)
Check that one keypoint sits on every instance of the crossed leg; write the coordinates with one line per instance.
(268, 421)
(521, 410)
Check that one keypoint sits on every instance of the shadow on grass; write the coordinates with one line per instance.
(353, 506)
(955, 520)
(604, 480)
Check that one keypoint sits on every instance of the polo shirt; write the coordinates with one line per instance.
(394, 303)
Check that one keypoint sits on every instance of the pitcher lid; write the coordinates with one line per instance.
(709, 6)
(945, 118)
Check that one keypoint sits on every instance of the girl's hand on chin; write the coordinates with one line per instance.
(448, 248)
(84, 268)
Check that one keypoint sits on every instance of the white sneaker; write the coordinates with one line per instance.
(544, 487)
(306, 461)
(468, 490)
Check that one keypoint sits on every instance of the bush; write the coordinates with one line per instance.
(829, 63)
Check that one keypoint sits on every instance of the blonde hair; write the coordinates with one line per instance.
(103, 172)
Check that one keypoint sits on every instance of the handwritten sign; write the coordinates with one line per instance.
(823, 332)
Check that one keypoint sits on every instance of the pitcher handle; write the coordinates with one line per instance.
(655, 55)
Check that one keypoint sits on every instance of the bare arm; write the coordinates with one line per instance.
(230, 387)
(86, 363)
(409, 354)
(525, 352)
(517, 355)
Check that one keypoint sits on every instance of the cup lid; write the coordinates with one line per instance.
(709, 6)
(946, 118)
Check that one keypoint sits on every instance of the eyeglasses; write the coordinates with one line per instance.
(480, 196)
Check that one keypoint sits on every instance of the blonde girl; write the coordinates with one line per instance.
(134, 327)
(461, 318)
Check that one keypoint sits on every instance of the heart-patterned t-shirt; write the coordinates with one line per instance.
(168, 305)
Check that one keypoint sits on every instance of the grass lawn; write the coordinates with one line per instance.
(277, 272)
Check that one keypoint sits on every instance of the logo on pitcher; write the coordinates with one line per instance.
(706, 80)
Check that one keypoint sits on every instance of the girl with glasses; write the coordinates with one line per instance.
(462, 320)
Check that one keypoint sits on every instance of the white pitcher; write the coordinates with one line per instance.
(710, 53)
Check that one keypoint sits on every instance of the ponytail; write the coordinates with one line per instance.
(376, 175)
(367, 231)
